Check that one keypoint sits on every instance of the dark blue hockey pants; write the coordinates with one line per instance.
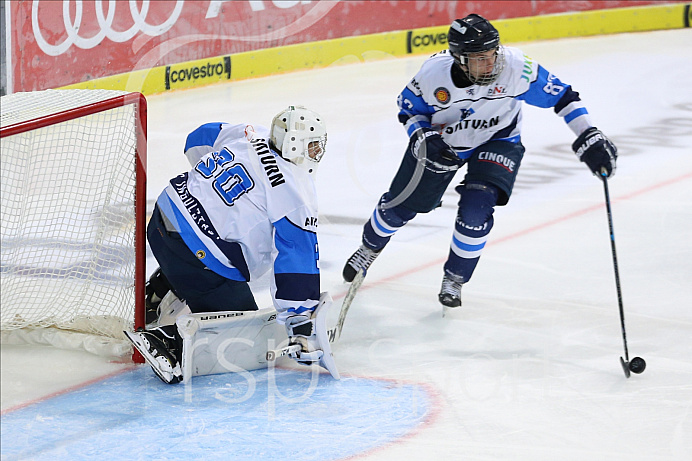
(202, 289)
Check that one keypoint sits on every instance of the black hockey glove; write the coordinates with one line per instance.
(427, 145)
(598, 152)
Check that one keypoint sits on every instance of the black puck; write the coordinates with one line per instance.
(637, 365)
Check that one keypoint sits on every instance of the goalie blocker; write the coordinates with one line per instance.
(232, 341)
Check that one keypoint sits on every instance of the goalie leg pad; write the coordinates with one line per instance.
(224, 342)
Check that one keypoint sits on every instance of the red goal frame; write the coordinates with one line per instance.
(140, 103)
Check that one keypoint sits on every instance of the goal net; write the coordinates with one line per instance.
(73, 200)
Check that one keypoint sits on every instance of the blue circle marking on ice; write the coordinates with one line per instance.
(272, 414)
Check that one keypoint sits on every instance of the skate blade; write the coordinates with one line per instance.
(449, 310)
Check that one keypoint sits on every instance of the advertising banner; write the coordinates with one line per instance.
(56, 43)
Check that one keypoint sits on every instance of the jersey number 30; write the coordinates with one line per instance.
(231, 180)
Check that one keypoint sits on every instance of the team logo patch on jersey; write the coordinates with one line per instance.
(442, 95)
(249, 132)
(466, 113)
(497, 90)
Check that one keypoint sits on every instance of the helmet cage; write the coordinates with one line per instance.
(462, 60)
(471, 38)
(301, 137)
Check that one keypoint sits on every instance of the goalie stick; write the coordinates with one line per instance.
(317, 350)
(275, 354)
(335, 333)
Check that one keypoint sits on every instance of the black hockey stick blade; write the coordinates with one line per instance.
(625, 367)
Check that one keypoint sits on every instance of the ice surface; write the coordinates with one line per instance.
(528, 368)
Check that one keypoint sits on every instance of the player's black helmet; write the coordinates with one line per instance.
(471, 35)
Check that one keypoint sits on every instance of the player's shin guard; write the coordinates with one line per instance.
(466, 248)
(377, 232)
(472, 226)
(384, 223)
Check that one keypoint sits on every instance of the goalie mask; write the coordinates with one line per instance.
(475, 45)
(300, 135)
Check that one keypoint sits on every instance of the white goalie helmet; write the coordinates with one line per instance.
(301, 136)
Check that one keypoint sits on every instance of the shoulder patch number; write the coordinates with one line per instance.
(551, 88)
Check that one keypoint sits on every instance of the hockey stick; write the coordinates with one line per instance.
(638, 364)
(275, 354)
(335, 333)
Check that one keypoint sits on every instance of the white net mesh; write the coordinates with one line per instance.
(68, 216)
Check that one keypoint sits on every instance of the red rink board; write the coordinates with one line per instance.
(57, 43)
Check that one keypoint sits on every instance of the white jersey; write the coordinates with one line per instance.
(243, 209)
(470, 116)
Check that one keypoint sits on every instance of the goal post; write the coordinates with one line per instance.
(73, 218)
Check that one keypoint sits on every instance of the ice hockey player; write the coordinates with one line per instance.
(248, 205)
(464, 107)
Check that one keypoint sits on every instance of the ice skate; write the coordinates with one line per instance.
(450, 293)
(160, 348)
(361, 259)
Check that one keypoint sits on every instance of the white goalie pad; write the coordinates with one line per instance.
(327, 359)
(227, 342)
(170, 309)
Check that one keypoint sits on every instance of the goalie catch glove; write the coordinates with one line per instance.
(597, 151)
(309, 331)
(428, 147)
